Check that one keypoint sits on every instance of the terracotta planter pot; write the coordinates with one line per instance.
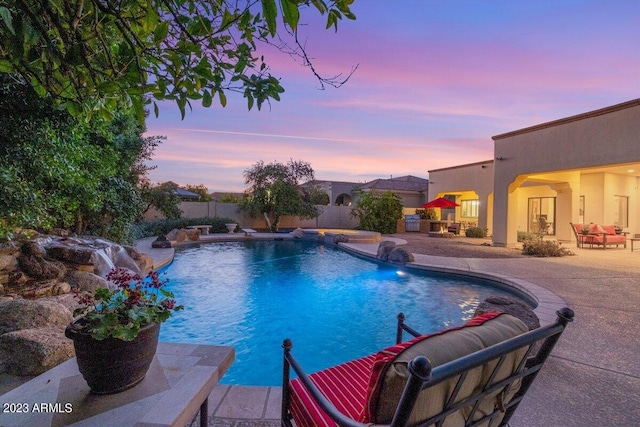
(112, 365)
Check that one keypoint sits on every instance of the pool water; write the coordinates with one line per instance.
(333, 305)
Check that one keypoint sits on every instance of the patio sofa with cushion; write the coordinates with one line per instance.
(475, 374)
(600, 235)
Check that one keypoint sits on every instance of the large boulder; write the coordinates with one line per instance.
(32, 248)
(145, 263)
(27, 314)
(161, 242)
(339, 238)
(192, 234)
(510, 306)
(71, 254)
(34, 351)
(41, 269)
(400, 256)
(176, 235)
(384, 248)
(69, 301)
(86, 281)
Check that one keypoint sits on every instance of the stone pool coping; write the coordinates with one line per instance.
(365, 244)
(547, 302)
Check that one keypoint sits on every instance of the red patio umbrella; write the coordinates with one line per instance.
(440, 202)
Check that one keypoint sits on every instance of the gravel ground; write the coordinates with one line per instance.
(460, 247)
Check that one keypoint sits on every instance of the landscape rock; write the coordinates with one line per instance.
(193, 234)
(172, 235)
(27, 314)
(176, 235)
(400, 256)
(61, 288)
(69, 301)
(34, 351)
(37, 289)
(39, 268)
(340, 238)
(510, 306)
(74, 255)
(85, 281)
(384, 248)
(145, 263)
(8, 262)
(32, 248)
(161, 242)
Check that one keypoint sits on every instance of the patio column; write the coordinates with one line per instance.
(568, 202)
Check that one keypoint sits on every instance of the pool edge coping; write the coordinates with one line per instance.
(548, 303)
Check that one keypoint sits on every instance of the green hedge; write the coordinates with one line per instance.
(163, 226)
(476, 232)
(524, 236)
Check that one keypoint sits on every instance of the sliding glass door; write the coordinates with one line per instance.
(542, 215)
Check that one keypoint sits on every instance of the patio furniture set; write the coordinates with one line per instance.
(600, 235)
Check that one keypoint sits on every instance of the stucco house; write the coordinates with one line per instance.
(583, 168)
(412, 190)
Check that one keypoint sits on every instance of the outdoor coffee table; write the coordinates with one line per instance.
(177, 385)
(633, 239)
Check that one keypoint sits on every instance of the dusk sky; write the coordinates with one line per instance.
(435, 81)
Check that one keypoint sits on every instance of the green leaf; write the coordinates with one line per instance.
(206, 99)
(270, 13)
(223, 98)
(227, 20)
(182, 102)
(150, 21)
(5, 14)
(249, 100)
(161, 31)
(5, 66)
(291, 13)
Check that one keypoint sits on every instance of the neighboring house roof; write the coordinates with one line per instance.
(401, 183)
(186, 194)
(324, 181)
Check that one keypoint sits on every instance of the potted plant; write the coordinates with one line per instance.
(116, 334)
(585, 229)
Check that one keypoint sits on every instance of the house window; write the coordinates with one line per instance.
(469, 208)
(621, 214)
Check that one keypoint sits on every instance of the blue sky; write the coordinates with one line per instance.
(435, 81)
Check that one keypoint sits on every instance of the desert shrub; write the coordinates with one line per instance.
(378, 211)
(524, 236)
(476, 232)
(428, 213)
(163, 226)
(545, 248)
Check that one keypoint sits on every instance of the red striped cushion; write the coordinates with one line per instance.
(384, 358)
(345, 386)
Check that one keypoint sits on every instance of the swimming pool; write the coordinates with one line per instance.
(333, 305)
